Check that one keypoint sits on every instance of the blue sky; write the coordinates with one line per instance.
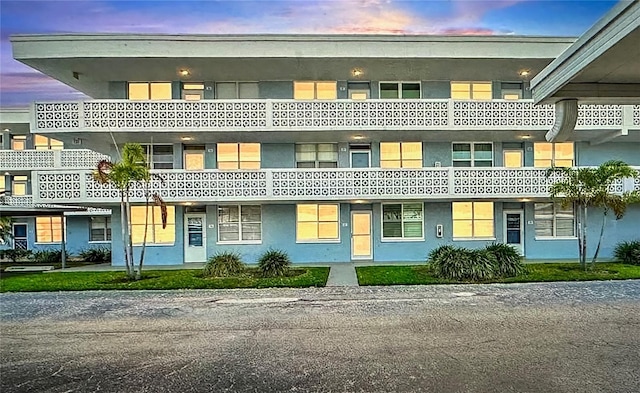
(19, 85)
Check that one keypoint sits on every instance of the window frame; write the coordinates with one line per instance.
(237, 89)
(19, 179)
(315, 90)
(554, 227)
(473, 222)
(48, 145)
(151, 226)
(553, 154)
(149, 153)
(401, 159)
(50, 229)
(471, 90)
(18, 139)
(149, 85)
(240, 223)
(318, 239)
(472, 158)
(107, 235)
(399, 85)
(402, 222)
(239, 159)
(317, 161)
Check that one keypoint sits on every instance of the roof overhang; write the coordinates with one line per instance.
(32, 211)
(87, 62)
(602, 66)
(15, 121)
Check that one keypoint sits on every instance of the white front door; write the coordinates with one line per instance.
(195, 237)
(513, 229)
(361, 247)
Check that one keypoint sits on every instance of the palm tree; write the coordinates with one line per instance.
(592, 187)
(132, 169)
(6, 230)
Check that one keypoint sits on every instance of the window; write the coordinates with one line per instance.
(472, 219)
(471, 90)
(238, 155)
(192, 91)
(402, 221)
(235, 90)
(150, 91)
(43, 143)
(317, 155)
(399, 90)
(155, 233)
(400, 154)
(511, 94)
(317, 222)
(547, 154)
(194, 157)
(3, 185)
(19, 185)
(48, 229)
(159, 156)
(553, 220)
(18, 142)
(241, 223)
(100, 229)
(472, 154)
(315, 90)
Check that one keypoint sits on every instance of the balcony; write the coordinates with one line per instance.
(271, 185)
(287, 115)
(49, 159)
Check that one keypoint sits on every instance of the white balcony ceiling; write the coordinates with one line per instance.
(602, 66)
(97, 59)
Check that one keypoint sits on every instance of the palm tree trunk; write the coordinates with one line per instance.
(123, 228)
(129, 237)
(144, 237)
(580, 220)
(583, 255)
(595, 255)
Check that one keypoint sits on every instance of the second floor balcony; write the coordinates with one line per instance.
(283, 115)
(278, 185)
(27, 160)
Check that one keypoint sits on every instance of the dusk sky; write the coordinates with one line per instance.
(19, 84)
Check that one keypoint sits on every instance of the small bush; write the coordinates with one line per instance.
(96, 255)
(508, 260)
(462, 264)
(15, 254)
(49, 256)
(628, 252)
(224, 264)
(274, 263)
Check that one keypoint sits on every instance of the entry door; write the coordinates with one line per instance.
(20, 236)
(360, 158)
(513, 158)
(514, 230)
(361, 247)
(195, 237)
(194, 160)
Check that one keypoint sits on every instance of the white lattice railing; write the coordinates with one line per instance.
(78, 187)
(47, 159)
(636, 115)
(235, 115)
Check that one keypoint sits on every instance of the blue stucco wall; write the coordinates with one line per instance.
(154, 254)
(278, 155)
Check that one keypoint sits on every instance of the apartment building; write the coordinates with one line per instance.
(331, 148)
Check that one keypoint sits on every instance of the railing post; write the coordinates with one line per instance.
(269, 183)
(57, 158)
(35, 186)
(269, 114)
(81, 122)
(450, 112)
(451, 181)
(627, 116)
(83, 186)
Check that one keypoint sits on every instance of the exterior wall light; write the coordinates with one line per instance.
(525, 73)
(357, 72)
(184, 72)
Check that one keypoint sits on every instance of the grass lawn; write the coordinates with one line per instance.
(157, 279)
(537, 272)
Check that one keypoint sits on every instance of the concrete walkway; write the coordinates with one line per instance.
(342, 275)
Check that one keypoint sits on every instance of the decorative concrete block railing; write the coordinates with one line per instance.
(343, 184)
(49, 159)
(636, 115)
(265, 115)
(27, 201)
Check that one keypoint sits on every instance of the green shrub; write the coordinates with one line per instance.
(462, 264)
(15, 254)
(95, 255)
(508, 260)
(628, 252)
(274, 263)
(224, 264)
(49, 256)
